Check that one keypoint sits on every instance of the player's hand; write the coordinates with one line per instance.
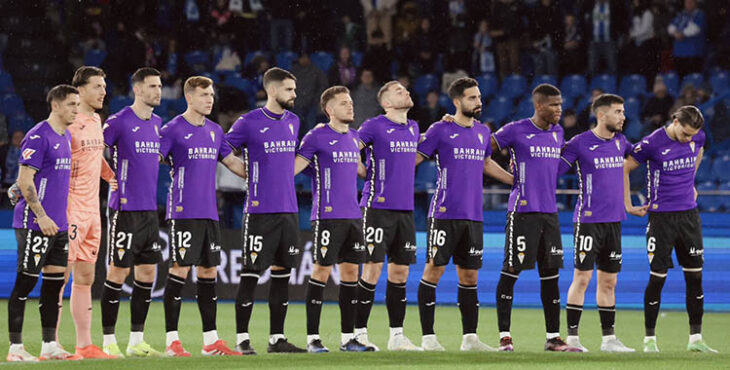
(638, 211)
(113, 185)
(448, 118)
(14, 194)
(696, 194)
(48, 227)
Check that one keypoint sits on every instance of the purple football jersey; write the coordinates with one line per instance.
(390, 158)
(193, 153)
(135, 146)
(599, 165)
(459, 153)
(535, 157)
(671, 170)
(269, 143)
(333, 158)
(50, 155)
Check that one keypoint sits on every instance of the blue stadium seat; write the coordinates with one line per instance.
(498, 110)
(242, 84)
(6, 83)
(704, 173)
(197, 60)
(513, 86)
(671, 80)
(422, 85)
(322, 60)
(632, 86)
(118, 102)
(605, 82)
(284, 59)
(213, 76)
(632, 130)
(694, 79)
(12, 104)
(568, 104)
(525, 108)
(253, 54)
(446, 103)
(573, 86)
(488, 85)
(632, 107)
(163, 110)
(544, 79)
(357, 57)
(720, 82)
(426, 174)
(94, 57)
(163, 184)
(708, 203)
(721, 168)
(20, 122)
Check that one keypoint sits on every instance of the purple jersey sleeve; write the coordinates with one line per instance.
(111, 130)
(224, 149)
(568, 156)
(627, 146)
(504, 136)
(33, 151)
(427, 147)
(366, 132)
(167, 140)
(308, 147)
(642, 150)
(237, 136)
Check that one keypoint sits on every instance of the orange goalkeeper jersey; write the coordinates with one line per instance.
(87, 163)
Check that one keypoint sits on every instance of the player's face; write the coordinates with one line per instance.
(93, 92)
(615, 117)
(341, 109)
(684, 133)
(67, 108)
(150, 90)
(285, 93)
(201, 100)
(550, 109)
(399, 97)
(470, 104)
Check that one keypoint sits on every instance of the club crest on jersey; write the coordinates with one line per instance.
(481, 138)
(618, 145)
(291, 128)
(212, 136)
(555, 137)
(27, 153)
(692, 146)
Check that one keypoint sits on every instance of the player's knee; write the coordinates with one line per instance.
(581, 280)
(84, 278)
(468, 277)
(397, 273)
(348, 271)
(145, 273)
(546, 273)
(117, 274)
(371, 272)
(321, 273)
(433, 273)
(182, 271)
(206, 272)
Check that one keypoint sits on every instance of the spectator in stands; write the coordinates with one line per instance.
(641, 53)
(483, 58)
(425, 47)
(365, 98)
(572, 52)
(586, 118)
(281, 26)
(656, 110)
(220, 15)
(688, 96)
(544, 30)
(457, 34)
(570, 124)
(343, 71)
(11, 161)
(255, 72)
(605, 24)
(378, 58)
(406, 26)
(506, 27)
(379, 17)
(351, 34)
(452, 73)
(311, 81)
(688, 29)
(431, 112)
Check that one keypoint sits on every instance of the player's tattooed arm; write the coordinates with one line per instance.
(236, 165)
(492, 169)
(30, 193)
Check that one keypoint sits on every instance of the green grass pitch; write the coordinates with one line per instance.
(527, 329)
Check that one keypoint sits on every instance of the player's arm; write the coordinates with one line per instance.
(26, 174)
(108, 174)
(361, 170)
(494, 170)
(300, 163)
(697, 167)
(631, 164)
(236, 165)
(493, 143)
(420, 158)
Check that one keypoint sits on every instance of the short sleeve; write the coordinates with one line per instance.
(700, 138)
(430, 142)
(224, 150)
(627, 146)
(641, 152)
(308, 147)
(33, 151)
(569, 155)
(505, 136)
(237, 136)
(111, 130)
(366, 133)
(167, 140)
(484, 139)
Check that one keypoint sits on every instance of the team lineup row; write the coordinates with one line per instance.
(59, 232)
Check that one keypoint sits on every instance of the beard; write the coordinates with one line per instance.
(286, 104)
(475, 113)
(613, 128)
